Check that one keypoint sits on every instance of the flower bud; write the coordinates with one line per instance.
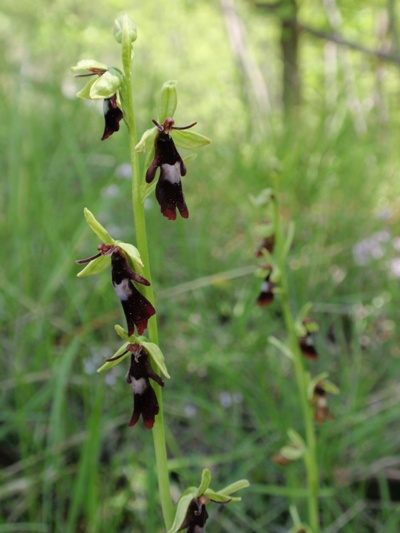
(124, 23)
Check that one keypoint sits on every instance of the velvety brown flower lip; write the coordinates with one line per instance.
(112, 116)
(137, 308)
(140, 372)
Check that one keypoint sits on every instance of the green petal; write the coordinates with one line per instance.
(105, 86)
(95, 267)
(85, 65)
(99, 230)
(85, 91)
(132, 252)
(147, 141)
(109, 364)
(205, 482)
(219, 497)
(167, 101)
(181, 509)
(189, 140)
(154, 351)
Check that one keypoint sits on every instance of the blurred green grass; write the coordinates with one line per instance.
(69, 461)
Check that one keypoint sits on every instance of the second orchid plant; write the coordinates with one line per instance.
(130, 269)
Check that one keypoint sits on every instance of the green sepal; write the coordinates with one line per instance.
(98, 229)
(283, 348)
(147, 141)
(189, 140)
(156, 354)
(106, 85)
(264, 198)
(167, 101)
(235, 486)
(109, 364)
(182, 508)
(304, 311)
(264, 230)
(204, 483)
(124, 23)
(95, 267)
(132, 252)
(85, 91)
(296, 439)
(124, 334)
(289, 238)
(189, 158)
(85, 65)
(275, 276)
(151, 348)
(291, 453)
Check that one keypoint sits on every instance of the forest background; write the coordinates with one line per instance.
(309, 92)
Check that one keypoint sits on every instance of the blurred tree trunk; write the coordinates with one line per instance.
(291, 93)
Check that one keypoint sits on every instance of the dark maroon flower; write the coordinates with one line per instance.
(112, 116)
(320, 403)
(169, 192)
(196, 516)
(112, 113)
(267, 244)
(144, 398)
(266, 295)
(137, 308)
(306, 342)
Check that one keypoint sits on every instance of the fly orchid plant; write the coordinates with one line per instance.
(130, 268)
(298, 347)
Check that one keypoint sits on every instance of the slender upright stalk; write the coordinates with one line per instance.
(141, 240)
(310, 457)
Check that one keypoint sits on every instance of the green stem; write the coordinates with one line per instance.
(310, 457)
(141, 241)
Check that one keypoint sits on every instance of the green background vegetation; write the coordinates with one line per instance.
(69, 461)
